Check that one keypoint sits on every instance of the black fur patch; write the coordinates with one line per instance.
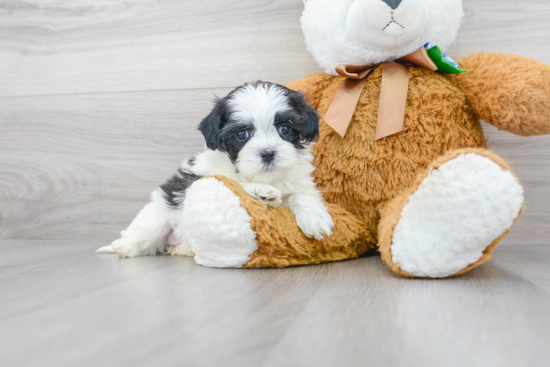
(295, 121)
(174, 189)
(212, 124)
(229, 142)
(308, 125)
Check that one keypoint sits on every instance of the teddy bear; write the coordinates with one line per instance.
(401, 160)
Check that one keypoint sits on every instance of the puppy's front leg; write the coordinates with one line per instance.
(267, 194)
(311, 215)
(147, 233)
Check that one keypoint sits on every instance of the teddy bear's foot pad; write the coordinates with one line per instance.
(217, 226)
(457, 212)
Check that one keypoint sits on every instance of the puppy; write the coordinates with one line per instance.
(259, 136)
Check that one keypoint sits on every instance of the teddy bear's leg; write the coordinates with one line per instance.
(217, 226)
(451, 220)
(226, 227)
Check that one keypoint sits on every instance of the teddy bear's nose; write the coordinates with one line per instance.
(393, 3)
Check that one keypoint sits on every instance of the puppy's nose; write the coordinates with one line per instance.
(393, 3)
(267, 155)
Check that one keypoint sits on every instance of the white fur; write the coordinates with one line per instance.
(270, 195)
(287, 181)
(154, 227)
(457, 211)
(361, 32)
(311, 215)
(209, 204)
(260, 105)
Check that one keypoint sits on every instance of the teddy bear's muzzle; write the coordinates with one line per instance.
(393, 3)
(384, 24)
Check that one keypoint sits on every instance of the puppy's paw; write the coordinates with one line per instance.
(125, 247)
(181, 249)
(316, 224)
(268, 194)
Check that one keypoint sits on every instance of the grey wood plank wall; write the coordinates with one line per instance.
(99, 99)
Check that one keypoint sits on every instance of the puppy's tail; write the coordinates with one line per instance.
(105, 250)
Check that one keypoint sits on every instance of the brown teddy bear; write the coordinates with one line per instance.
(401, 159)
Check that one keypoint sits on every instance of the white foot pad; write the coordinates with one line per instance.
(217, 226)
(125, 247)
(181, 250)
(455, 214)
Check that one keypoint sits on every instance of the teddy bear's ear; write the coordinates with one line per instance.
(309, 123)
(211, 125)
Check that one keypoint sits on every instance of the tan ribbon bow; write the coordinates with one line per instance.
(393, 94)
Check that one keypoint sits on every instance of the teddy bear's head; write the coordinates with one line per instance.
(363, 32)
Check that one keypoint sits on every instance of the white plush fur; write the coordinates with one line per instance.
(210, 204)
(363, 32)
(286, 180)
(457, 211)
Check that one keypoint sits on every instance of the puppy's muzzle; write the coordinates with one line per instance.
(267, 156)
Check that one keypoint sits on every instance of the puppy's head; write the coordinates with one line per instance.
(262, 127)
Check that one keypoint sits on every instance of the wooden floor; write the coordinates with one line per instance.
(99, 103)
(63, 305)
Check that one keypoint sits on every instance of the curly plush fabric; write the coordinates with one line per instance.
(361, 174)
(281, 243)
(443, 114)
(508, 91)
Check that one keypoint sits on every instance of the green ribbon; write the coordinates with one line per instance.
(443, 62)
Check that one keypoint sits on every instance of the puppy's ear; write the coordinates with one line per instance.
(310, 116)
(211, 125)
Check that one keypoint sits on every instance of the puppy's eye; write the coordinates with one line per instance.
(285, 130)
(242, 135)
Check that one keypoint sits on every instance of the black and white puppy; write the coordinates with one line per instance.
(259, 136)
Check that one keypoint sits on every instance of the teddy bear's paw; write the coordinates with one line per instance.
(267, 194)
(217, 226)
(125, 247)
(457, 212)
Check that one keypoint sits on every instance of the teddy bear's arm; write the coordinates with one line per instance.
(508, 91)
(312, 85)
